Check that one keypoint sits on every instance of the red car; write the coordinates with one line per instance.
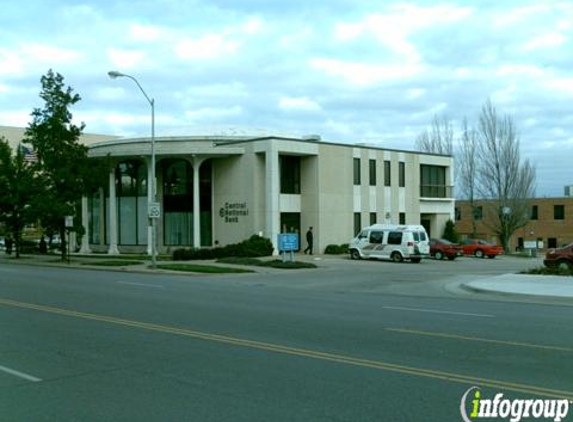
(442, 248)
(561, 258)
(481, 248)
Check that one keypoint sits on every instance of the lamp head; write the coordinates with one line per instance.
(114, 74)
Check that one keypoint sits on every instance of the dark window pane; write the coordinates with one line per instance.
(356, 169)
(290, 174)
(372, 218)
(387, 173)
(372, 165)
(357, 223)
(534, 212)
(395, 238)
(401, 174)
(559, 212)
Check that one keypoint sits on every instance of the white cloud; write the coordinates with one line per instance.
(415, 93)
(212, 113)
(50, 54)
(145, 33)
(125, 59)
(364, 74)
(10, 63)
(544, 41)
(298, 104)
(208, 47)
(254, 26)
(520, 70)
(560, 85)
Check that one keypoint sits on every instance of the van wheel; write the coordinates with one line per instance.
(416, 260)
(354, 254)
(479, 253)
(396, 257)
(439, 256)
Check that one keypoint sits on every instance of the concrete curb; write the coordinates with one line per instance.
(524, 286)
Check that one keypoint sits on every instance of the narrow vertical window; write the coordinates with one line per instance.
(372, 168)
(357, 223)
(372, 218)
(402, 218)
(387, 174)
(357, 171)
(401, 174)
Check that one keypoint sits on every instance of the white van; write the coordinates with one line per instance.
(390, 241)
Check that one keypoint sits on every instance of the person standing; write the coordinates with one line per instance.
(309, 241)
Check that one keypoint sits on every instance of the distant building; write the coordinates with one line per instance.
(550, 225)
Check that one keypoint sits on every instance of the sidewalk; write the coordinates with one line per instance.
(525, 285)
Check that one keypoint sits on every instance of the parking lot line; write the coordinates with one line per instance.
(19, 374)
(437, 311)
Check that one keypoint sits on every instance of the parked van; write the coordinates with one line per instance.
(390, 241)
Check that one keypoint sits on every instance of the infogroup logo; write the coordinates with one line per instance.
(515, 410)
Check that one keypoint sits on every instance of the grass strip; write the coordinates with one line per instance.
(206, 269)
(113, 263)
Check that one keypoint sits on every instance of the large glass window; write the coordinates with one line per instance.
(131, 192)
(290, 174)
(177, 202)
(94, 207)
(433, 181)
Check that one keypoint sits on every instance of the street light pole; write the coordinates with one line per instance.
(153, 199)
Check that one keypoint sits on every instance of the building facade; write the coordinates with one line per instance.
(550, 224)
(222, 186)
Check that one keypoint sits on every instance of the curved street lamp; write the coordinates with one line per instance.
(153, 208)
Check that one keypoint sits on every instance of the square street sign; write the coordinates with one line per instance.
(154, 210)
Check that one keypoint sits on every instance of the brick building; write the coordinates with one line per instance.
(550, 224)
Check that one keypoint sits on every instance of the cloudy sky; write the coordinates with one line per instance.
(367, 71)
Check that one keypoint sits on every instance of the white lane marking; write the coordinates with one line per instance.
(156, 286)
(19, 374)
(434, 311)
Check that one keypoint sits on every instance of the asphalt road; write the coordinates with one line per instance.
(352, 341)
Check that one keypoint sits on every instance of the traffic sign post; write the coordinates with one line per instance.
(154, 210)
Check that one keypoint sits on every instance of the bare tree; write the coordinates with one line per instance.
(466, 168)
(503, 178)
(439, 139)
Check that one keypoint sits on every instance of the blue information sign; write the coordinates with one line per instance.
(287, 242)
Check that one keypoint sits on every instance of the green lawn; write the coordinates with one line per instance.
(207, 269)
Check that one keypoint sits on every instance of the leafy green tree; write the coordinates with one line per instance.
(62, 161)
(18, 188)
(450, 232)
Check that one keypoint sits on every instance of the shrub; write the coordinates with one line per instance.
(450, 232)
(336, 249)
(252, 247)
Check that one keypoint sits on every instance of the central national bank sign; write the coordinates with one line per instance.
(233, 210)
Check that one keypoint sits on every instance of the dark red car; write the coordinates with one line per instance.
(442, 248)
(561, 258)
(481, 248)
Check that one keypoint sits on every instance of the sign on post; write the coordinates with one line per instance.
(69, 221)
(154, 210)
(287, 242)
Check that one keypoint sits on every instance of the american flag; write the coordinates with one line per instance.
(30, 155)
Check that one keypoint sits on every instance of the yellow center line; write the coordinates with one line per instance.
(293, 351)
(479, 339)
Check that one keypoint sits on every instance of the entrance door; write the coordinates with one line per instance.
(427, 224)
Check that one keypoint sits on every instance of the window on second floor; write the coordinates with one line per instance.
(534, 212)
(356, 170)
(478, 212)
(401, 174)
(290, 174)
(372, 172)
(433, 182)
(559, 212)
(387, 173)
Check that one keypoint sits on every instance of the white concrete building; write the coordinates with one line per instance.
(219, 186)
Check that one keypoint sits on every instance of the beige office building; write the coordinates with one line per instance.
(221, 186)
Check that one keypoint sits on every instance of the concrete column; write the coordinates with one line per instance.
(112, 215)
(196, 162)
(85, 249)
(272, 191)
(150, 187)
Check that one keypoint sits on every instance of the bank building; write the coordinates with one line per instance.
(221, 185)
